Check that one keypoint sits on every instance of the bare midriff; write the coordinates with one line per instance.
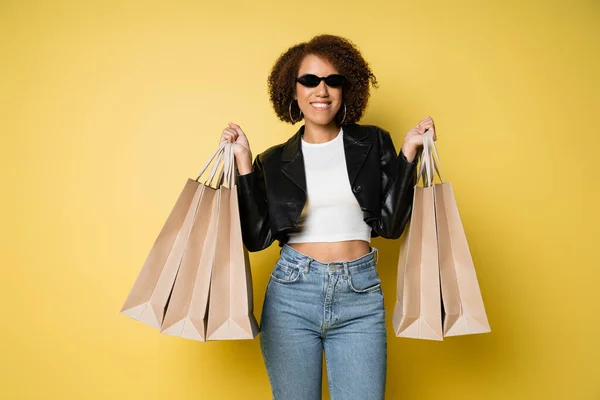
(327, 252)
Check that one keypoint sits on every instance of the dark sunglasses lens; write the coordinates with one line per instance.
(309, 80)
(334, 80)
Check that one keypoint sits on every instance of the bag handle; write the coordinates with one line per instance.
(226, 173)
(428, 161)
(217, 153)
(226, 166)
(229, 166)
(222, 155)
(213, 172)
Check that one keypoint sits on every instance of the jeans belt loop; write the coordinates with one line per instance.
(346, 272)
(307, 264)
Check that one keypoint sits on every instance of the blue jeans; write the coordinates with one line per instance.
(337, 307)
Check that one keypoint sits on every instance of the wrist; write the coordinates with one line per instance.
(244, 163)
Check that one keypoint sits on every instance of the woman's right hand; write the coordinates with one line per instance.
(243, 156)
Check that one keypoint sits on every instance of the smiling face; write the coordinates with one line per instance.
(319, 104)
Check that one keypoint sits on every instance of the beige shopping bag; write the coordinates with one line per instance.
(417, 311)
(231, 304)
(186, 313)
(463, 304)
(148, 299)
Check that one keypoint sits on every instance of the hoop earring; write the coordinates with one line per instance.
(344, 114)
(290, 111)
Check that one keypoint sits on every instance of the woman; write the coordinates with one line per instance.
(323, 194)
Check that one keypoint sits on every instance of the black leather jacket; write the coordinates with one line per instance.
(272, 196)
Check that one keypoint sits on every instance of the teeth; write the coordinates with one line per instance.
(320, 105)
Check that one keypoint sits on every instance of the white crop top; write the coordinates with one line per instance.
(331, 213)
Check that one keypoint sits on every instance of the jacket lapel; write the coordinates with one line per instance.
(356, 149)
(293, 162)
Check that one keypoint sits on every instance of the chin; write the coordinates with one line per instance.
(323, 119)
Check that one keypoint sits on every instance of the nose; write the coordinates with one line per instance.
(322, 88)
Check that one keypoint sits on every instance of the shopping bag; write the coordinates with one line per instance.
(148, 298)
(464, 310)
(417, 310)
(231, 304)
(186, 313)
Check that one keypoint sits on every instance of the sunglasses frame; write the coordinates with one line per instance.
(322, 78)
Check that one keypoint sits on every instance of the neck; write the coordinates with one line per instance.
(314, 133)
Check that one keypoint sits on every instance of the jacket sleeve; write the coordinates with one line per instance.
(398, 178)
(254, 209)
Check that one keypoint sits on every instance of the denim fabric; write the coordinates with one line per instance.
(337, 307)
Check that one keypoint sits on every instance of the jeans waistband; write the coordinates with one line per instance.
(293, 256)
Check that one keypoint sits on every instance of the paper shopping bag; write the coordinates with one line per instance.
(186, 314)
(231, 304)
(148, 299)
(417, 311)
(463, 304)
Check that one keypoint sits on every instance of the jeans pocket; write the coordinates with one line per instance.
(285, 272)
(365, 280)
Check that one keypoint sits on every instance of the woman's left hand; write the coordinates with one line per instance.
(413, 141)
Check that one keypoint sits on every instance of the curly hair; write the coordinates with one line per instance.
(343, 55)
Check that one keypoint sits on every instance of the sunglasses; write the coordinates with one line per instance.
(310, 80)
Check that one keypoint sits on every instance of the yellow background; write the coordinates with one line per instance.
(106, 108)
